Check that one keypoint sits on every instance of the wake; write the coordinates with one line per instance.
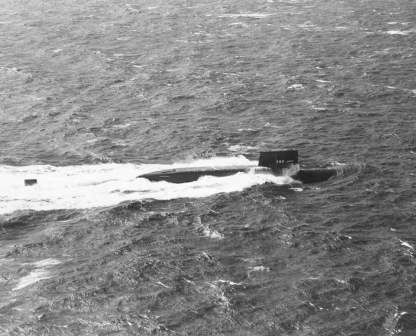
(89, 186)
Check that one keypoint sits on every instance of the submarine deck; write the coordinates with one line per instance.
(189, 174)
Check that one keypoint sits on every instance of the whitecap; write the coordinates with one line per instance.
(160, 283)
(296, 87)
(241, 148)
(228, 282)
(14, 73)
(215, 291)
(320, 109)
(260, 268)
(39, 273)
(296, 189)
(242, 24)
(341, 281)
(213, 234)
(206, 230)
(46, 263)
(246, 15)
(306, 25)
(31, 278)
(246, 130)
(406, 244)
(400, 32)
(337, 164)
(131, 8)
(123, 38)
(121, 126)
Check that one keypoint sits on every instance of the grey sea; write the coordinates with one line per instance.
(94, 93)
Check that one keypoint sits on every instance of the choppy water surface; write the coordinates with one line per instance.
(94, 93)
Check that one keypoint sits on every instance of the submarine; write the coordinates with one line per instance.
(278, 163)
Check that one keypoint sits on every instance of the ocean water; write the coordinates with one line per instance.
(95, 93)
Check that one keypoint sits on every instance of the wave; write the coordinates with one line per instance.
(245, 15)
(88, 186)
(40, 272)
(400, 32)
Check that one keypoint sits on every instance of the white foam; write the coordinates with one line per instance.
(46, 263)
(260, 268)
(87, 186)
(406, 244)
(31, 278)
(213, 234)
(131, 8)
(242, 24)
(341, 281)
(160, 283)
(216, 291)
(207, 231)
(296, 87)
(228, 282)
(247, 15)
(38, 274)
(241, 148)
(401, 32)
(307, 24)
(296, 189)
(246, 130)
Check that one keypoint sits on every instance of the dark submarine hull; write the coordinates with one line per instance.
(193, 174)
(279, 163)
(184, 175)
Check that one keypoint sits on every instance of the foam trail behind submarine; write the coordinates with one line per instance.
(102, 185)
(279, 163)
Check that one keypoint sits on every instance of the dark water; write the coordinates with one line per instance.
(99, 82)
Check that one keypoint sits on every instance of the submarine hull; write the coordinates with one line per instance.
(186, 175)
(278, 163)
(315, 175)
